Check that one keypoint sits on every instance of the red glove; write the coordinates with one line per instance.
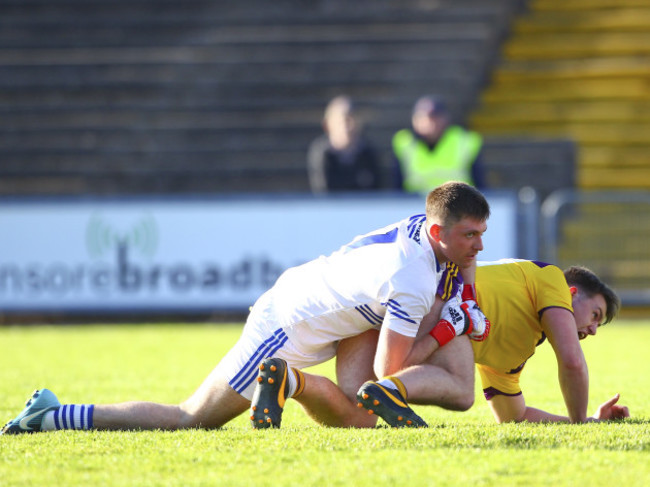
(464, 319)
(454, 320)
(481, 325)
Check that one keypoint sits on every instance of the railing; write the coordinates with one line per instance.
(607, 231)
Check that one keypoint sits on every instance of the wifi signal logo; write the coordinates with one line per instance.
(102, 237)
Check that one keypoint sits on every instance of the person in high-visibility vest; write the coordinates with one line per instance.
(434, 151)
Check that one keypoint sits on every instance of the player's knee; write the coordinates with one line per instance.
(180, 418)
(463, 401)
(187, 419)
(462, 395)
(191, 417)
(466, 401)
(362, 420)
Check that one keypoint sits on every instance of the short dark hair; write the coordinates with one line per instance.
(454, 200)
(590, 284)
(432, 105)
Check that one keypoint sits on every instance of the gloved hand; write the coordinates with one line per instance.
(481, 325)
(465, 318)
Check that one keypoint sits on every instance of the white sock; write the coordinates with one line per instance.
(292, 383)
(69, 417)
(295, 382)
(389, 384)
(394, 384)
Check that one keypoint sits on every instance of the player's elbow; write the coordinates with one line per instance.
(574, 365)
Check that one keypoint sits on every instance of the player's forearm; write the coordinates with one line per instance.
(560, 328)
(516, 410)
(393, 349)
(574, 383)
(469, 273)
(422, 350)
(513, 408)
(533, 415)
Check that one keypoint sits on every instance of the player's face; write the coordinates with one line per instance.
(589, 313)
(462, 242)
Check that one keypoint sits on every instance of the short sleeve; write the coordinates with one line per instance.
(551, 289)
(410, 295)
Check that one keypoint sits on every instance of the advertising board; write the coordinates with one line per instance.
(187, 254)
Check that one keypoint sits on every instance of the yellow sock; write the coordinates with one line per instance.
(399, 384)
(300, 381)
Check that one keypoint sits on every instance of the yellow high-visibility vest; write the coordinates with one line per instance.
(450, 160)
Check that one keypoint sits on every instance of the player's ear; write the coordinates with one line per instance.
(434, 231)
(573, 290)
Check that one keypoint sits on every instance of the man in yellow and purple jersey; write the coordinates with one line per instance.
(527, 302)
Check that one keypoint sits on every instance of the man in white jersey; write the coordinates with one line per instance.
(377, 288)
(380, 281)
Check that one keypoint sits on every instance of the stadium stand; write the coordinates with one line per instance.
(158, 96)
(150, 96)
(580, 69)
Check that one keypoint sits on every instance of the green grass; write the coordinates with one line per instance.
(165, 363)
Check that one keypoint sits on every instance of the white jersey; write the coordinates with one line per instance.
(388, 277)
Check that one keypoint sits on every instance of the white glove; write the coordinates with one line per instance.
(465, 318)
(479, 324)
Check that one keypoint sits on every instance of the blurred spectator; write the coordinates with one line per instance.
(342, 159)
(434, 151)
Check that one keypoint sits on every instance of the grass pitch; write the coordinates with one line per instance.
(165, 363)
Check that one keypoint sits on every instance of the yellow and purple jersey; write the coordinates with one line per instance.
(513, 294)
